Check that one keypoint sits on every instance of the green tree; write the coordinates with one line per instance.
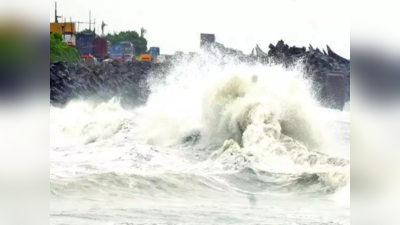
(60, 51)
(85, 31)
(131, 36)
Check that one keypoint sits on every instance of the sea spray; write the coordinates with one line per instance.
(262, 117)
(86, 121)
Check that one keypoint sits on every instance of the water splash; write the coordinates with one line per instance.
(259, 117)
(85, 121)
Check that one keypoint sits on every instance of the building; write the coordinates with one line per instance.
(206, 39)
(67, 30)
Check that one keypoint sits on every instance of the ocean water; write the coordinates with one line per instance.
(231, 144)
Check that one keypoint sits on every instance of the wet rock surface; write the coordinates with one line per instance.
(330, 75)
(101, 81)
(329, 72)
(318, 63)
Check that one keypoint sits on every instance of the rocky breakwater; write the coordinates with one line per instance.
(317, 62)
(329, 72)
(101, 81)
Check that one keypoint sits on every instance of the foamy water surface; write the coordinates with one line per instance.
(232, 144)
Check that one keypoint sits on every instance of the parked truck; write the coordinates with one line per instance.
(100, 48)
(85, 44)
(161, 59)
(117, 52)
(128, 51)
(154, 52)
(123, 52)
(151, 55)
(146, 57)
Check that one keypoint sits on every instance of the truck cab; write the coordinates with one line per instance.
(145, 57)
(128, 51)
(117, 52)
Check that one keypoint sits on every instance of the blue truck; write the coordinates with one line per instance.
(117, 52)
(154, 52)
(123, 52)
(85, 44)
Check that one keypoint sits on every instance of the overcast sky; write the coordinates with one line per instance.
(175, 25)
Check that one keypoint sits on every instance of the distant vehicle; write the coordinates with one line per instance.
(161, 59)
(123, 52)
(145, 57)
(88, 60)
(154, 52)
(128, 51)
(100, 48)
(117, 52)
(106, 61)
(85, 44)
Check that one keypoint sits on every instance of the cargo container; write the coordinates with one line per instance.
(85, 43)
(154, 52)
(100, 48)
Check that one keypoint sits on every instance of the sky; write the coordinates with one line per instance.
(175, 25)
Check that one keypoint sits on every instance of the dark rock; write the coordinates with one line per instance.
(106, 80)
(330, 74)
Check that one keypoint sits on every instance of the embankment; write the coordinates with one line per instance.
(328, 73)
(101, 81)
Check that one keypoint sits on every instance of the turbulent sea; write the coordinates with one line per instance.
(231, 144)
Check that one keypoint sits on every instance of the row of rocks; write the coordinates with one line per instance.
(329, 72)
(104, 81)
(317, 62)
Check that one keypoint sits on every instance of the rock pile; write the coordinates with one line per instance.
(329, 71)
(316, 62)
(105, 80)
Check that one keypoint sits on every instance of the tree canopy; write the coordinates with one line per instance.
(131, 36)
(85, 31)
(60, 51)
